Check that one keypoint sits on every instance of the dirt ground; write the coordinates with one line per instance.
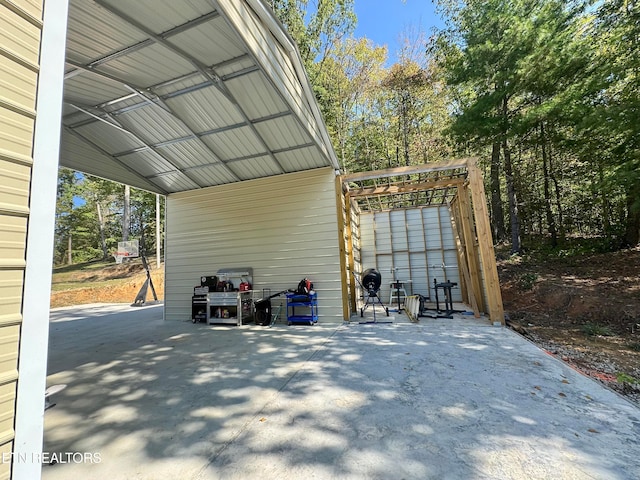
(585, 310)
(111, 284)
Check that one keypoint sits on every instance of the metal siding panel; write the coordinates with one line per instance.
(11, 283)
(13, 234)
(15, 179)
(386, 242)
(284, 227)
(17, 84)
(7, 405)
(18, 89)
(415, 231)
(9, 342)
(16, 132)
(399, 230)
(19, 36)
(382, 228)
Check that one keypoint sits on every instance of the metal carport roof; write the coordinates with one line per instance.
(169, 95)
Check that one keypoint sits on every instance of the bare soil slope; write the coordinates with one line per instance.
(103, 283)
(585, 310)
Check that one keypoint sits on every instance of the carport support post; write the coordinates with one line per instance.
(485, 242)
(34, 336)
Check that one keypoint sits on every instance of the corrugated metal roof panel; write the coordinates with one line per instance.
(154, 124)
(255, 167)
(212, 42)
(175, 182)
(116, 141)
(235, 143)
(205, 109)
(213, 86)
(148, 163)
(256, 96)
(90, 89)
(144, 67)
(283, 132)
(79, 155)
(189, 153)
(300, 159)
(93, 32)
(216, 174)
(163, 15)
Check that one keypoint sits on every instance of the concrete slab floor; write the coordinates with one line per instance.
(440, 399)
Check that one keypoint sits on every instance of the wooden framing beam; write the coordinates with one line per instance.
(469, 243)
(340, 209)
(463, 260)
(487, 254)
(410, 170)
(398, 189)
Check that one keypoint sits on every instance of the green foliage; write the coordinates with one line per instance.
(89, 218)
(628, 379)
(635, 347)
(527, 280)
(596, 330)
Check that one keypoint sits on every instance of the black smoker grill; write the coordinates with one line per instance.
(371, 281)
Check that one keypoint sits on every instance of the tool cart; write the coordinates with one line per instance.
(302, 309)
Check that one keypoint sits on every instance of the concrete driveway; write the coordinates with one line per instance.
(442, 399)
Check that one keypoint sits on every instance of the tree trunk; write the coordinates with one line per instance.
(126, 214)
(551, 223)
(69, 251)
(103, 242)
(513, 204)
(632, 233)
(497, 211)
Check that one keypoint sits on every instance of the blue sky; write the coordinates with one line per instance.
(383, 21)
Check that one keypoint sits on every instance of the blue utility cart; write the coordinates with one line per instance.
(302, 309)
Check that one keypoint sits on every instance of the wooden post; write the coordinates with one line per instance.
(349, 232)
(485, 242)
(340, 209)
(469, 236)
(463, 263)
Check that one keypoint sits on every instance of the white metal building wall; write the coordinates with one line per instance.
(284, 227)
(419, 243)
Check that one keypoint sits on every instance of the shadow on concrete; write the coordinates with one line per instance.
(440, 399)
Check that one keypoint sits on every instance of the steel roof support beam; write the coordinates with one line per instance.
(205, 71)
